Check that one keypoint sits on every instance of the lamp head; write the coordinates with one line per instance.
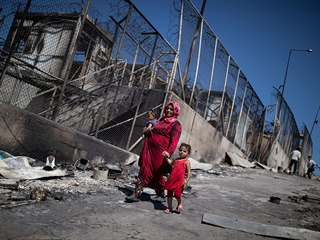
(309, 50)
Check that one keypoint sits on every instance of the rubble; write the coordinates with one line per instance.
(86, 179)
(222, 189)
(22, 167)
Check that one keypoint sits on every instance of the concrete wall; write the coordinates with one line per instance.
(278, 158)
(24, 133)
(208, 144)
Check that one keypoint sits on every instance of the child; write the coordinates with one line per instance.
(310, 165)
(176, 181)
(152, 120)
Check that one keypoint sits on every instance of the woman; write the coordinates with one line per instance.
(160, 143)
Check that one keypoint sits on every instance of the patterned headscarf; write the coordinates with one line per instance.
(176, 112)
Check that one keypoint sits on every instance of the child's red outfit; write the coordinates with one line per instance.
(175, 182)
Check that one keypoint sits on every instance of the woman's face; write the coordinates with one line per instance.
(169, 110)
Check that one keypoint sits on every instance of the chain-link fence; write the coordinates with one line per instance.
(99, 65)
(84, 64)
(212, 83)
(287, 131)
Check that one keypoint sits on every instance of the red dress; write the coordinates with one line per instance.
(163, 137)
(176, 178)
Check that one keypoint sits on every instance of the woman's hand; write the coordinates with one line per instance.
(165, 154)
(185, 184)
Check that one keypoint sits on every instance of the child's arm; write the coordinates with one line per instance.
(169, 161)
(188, 166)
(147, 128)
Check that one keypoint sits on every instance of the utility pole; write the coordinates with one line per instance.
(285, 77)
(315, 121)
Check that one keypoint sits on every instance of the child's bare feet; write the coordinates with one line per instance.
(168, 210)
(179, 208)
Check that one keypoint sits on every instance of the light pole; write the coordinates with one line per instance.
(285, 76)
(314, 122)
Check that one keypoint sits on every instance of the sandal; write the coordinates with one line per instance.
(168, 210)
(132, 199)
(179, 208)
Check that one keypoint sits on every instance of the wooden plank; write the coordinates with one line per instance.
(311, 199)
(260, 228)
(18, 204)
(9, 183)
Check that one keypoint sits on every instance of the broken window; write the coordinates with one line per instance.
(79, 56)
(28, 39)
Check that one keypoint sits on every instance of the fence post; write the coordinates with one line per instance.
(14, 42)
(142, 89)
(69, 60)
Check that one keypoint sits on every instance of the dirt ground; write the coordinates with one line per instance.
(80, 207)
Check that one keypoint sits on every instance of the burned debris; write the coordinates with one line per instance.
(22, 183)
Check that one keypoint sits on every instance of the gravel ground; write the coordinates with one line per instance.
(80, 207)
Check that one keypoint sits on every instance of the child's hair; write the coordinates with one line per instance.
(187, 146)
(152, 112)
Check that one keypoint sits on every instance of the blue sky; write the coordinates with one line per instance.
(259, 35)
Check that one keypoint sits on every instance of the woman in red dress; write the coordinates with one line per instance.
(177, 181)
(161, 142)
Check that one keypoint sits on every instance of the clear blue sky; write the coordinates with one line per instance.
(259, 34)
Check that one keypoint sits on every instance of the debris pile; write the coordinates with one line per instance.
(24, 180)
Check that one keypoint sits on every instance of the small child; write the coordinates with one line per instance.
(152, 120)
(310, 165)
(177, 181)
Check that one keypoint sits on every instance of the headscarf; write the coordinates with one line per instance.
(176, 112)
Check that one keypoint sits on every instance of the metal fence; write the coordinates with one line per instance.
(212, 83)
(84, 64)
(287, 132)
(99, 65)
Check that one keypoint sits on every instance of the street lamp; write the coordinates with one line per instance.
(285, 76)
(314, 122)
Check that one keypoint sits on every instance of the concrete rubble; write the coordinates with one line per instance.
(221, 190)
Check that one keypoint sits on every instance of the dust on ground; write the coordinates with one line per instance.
(82, 207)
